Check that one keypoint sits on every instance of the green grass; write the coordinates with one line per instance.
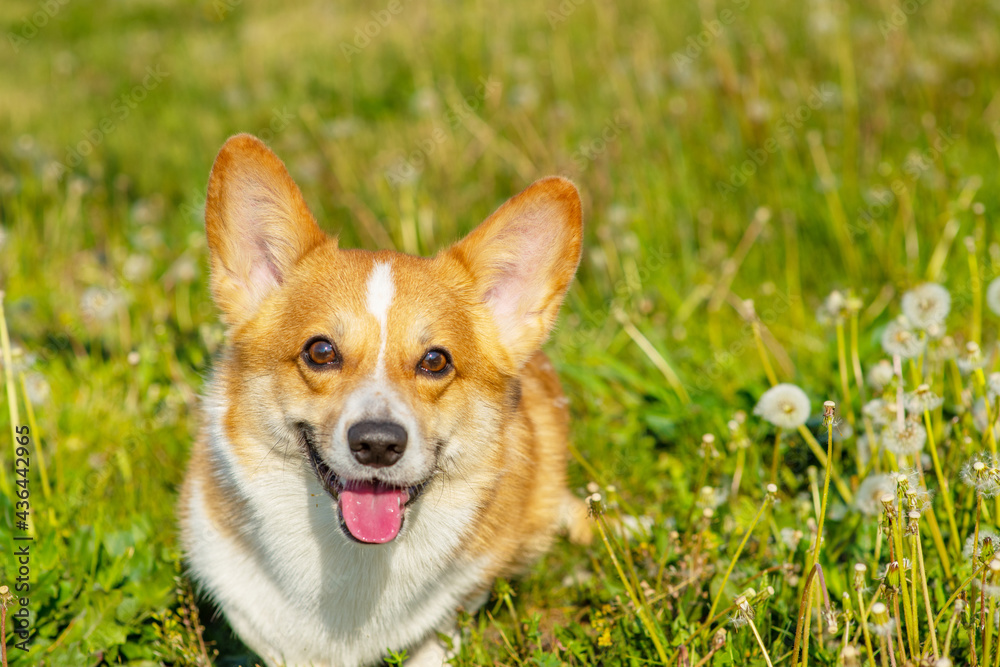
(868, 139)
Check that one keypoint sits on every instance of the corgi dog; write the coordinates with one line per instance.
(382, 435)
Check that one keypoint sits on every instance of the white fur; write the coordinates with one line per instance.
(299, 592)
(380, 289)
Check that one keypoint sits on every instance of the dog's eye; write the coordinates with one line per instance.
(321, 352)
(435, 362)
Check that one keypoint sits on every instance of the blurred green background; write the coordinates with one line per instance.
(725, 151)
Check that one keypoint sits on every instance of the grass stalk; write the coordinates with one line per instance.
(644, 616)
(768, 497)
(8, 366)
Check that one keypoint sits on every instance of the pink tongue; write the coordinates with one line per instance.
(373, 512)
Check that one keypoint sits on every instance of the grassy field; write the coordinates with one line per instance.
(739, 162)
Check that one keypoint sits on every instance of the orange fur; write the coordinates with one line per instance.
(489, 435)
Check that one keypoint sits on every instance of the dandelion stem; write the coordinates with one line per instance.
(863, 612)
(8, 365)
(760, 642)
(845, 384)
(975, 327)
(805, 607)
(775, 456)
(813, 444)
(927, 595)
(762, 350)
(39, 455)
(641, 610)
(949, 508)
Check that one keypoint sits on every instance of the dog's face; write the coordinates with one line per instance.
(381, 374)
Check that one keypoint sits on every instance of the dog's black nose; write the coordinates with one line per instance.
(377, 444)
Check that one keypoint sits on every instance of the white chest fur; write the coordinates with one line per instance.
(300, 593)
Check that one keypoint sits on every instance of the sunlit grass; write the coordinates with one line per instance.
(736, 169)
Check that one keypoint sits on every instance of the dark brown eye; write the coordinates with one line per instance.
(321, 352)
(435, 362)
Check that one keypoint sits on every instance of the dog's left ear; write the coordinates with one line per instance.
(523, 258)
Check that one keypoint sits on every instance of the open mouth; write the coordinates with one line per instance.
(371, 511)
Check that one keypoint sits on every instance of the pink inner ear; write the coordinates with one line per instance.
(521, 276)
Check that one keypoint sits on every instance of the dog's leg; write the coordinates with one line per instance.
(434, 652)
(574, 520)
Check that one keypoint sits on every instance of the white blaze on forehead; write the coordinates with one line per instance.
(380, 292)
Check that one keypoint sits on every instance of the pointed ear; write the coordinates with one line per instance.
(523, 258)
(258, 226)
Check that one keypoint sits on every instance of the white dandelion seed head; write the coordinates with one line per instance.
(791, 537)
(20, 359)
(988, 543)
(927, 305)
(37, 388)
(905, 441)
(784, 405)
(982, 472)
(935, 331)
(886, 629)
(880, 375)
(137, 268)
(834, 308)
(993, 296)
(880, 411)
(921, 399)
(980, 419)
(901, 339)
(947, 348)
(99, 305)
(993, 386)
(868, 499)
(971, 359)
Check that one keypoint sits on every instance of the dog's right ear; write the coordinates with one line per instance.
(258, 226)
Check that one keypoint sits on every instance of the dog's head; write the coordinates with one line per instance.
(378, 371)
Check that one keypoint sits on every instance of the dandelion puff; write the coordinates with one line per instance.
(979, 416)
(881, 412)
(927, 305)
(923, 399)
(784, 405)
(993, 296)
(900, 339)
(982, 473)
(880, 375)
(36, 388)
(905, 441)
(990, 588)
(883, 625)
(971, 359)
(868, 499)
(988, 543)
(834, 309)
(98, 304)
(993, 386)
